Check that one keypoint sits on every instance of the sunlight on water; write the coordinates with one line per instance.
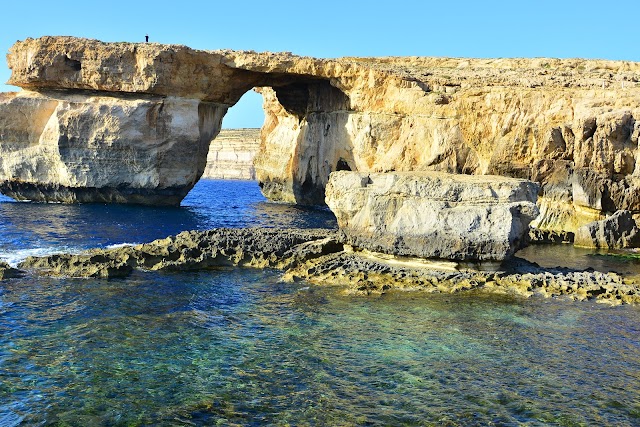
(238, 347)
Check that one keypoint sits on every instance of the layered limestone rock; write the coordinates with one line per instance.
(580, 143)
(231, 154)
(433, 214)
(570, 125)
(66, 147)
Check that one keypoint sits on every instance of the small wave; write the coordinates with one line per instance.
(15, 257)
(120, 245)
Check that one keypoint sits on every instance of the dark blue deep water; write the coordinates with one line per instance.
(239, 347)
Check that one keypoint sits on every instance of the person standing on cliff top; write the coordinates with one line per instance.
(146, 38)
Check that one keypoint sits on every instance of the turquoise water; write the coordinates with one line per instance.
(238, 347)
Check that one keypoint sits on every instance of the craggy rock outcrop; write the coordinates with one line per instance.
(231, 154)
(570, 125)
(319, 257)
(615, 232)
(372, 274)
(8, 272)
(254, 247)
(433, 214)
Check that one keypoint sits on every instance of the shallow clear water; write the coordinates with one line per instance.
(564, 255)
(39, 228)
(238, 347)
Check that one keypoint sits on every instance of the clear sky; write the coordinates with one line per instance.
(329, 28)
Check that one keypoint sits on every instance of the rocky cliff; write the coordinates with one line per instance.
(570, 125)
(231, 154)
(433, 214)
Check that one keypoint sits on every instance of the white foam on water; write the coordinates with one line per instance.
(14, 257)
(120, 245)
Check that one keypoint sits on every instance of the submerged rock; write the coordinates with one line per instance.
(318, 257)
(615, 232)
(433, 214)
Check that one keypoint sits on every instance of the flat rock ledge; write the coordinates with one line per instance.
(320, 257)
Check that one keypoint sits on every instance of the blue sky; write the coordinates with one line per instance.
(328, 28)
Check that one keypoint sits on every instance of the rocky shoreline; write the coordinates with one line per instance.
(320, 257)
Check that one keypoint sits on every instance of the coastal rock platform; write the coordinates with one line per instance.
(320, 257)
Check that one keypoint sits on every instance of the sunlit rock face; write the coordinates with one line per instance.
(570, 125)
(433, 214)
(231, 154)
(561, 129)
(69, 148)
(615, 232)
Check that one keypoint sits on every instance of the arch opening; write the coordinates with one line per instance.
(302, 139)
(232, 150)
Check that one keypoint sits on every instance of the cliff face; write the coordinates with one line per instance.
(231, 154)
(570, 125)
(63, 147)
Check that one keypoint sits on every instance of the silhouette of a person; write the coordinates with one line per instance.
(146, 38)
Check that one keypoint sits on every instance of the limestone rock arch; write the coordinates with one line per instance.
(127, 122)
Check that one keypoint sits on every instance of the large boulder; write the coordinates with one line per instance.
(433, 214)
(616, 232)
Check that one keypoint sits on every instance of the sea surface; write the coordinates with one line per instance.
(240, 347)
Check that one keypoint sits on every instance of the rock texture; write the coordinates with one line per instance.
(319, 257)
(570, 125)
(231, 154)
(254, 247)
(433, 214)
(615, 232)
(65, 147)
(363, 274)
(8, 272)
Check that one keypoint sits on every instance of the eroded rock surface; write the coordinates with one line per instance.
(570, 125)
(255, 247)
(64, 147)
(318, 256)
(615, 232)
(433, 214)
(8, 272)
